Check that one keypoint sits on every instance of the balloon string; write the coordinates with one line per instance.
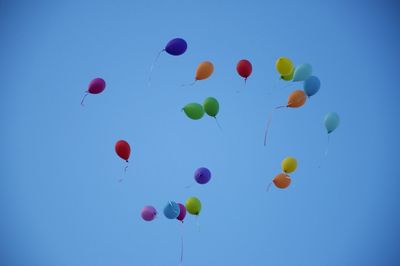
(83, 99)
(152, 67)
(216, 120)
(326, 151)
(269, 186)
(269, 122)
(190, 84)
(189, 186)
(123, 176)
(182, 243)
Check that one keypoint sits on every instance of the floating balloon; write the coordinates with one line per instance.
(123, 149)
(312, 85)
(193, 205)
(171, 210)
(244, 68)
(297, 99)
(288, 77)
(148, 213)
(182, 212)
(176, 46)
(204, 70)
(284, 66)
(211, 106)
(202, 175)
(289, 165)
(281, 180)
(96, 86)
(302, 72)
(194, 111)
(331, 121)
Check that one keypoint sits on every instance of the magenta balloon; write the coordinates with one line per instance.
(182, 213)
(149, 213)
(97, 86)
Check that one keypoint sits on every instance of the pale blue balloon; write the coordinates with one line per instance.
(331, 121)
(172, 210)
(302, 72)
(311, 85)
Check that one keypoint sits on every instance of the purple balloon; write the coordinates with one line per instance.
(149, 213)
(96, 86)
(176, 46)
(182, 212)
(202, 175)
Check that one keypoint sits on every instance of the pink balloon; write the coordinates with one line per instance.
(182, 212)
(148, 213)
(96, 86)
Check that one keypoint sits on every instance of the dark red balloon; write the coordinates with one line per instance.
(244, 68)
(96, 86)
(182, 213)
(123, 149)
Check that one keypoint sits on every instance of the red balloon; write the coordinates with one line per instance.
(123, 149)
(244, 68)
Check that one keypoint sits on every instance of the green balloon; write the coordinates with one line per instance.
(211, 106)
(288, 77)
(194, 111)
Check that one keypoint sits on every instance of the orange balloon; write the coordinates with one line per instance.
(282, 180)
(297, 99)
(204, 70)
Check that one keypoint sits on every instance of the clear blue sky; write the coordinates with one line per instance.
(60, 202)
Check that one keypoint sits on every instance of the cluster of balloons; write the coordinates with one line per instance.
(196, 111)
(282, 180)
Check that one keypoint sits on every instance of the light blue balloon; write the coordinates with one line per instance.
(171, 210)
(311, 85)
(302, 72)
(331, 121)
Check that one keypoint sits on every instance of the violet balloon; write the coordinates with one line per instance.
(202, 175)
(182, 213)
(176, 46)
(148, 213)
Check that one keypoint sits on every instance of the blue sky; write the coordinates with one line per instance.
(60, 201)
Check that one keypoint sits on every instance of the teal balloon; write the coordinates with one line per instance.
(302, 72)
(331, 121)
(172, 210)
(311, 85)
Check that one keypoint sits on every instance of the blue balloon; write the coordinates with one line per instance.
(172, 210)
(176, 46)
(331, 121)
(302, 72)
(311, 85)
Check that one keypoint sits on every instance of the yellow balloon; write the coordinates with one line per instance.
(289, 164)
(284, 66)
(288, 77)
(193, 205)
(204, 70)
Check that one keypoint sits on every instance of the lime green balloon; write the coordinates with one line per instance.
(194, 111)
(211, 106)
(284, 66)
(288, 77)
(193, 205)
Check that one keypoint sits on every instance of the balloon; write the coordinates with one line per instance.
(284, 66)
(194, 111)
(171, 210)
(123, 149)
(202, 175)
(182, 212)
(96, 86)
(148, 213)
(312, 85)
(244, 68)
(282, 180)
(302, 72)
(331, 121)
(193, 205)
(204, 70)
(211, 106)
(297, 99)
(289, 165)
(176, 46)
(288, 77)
